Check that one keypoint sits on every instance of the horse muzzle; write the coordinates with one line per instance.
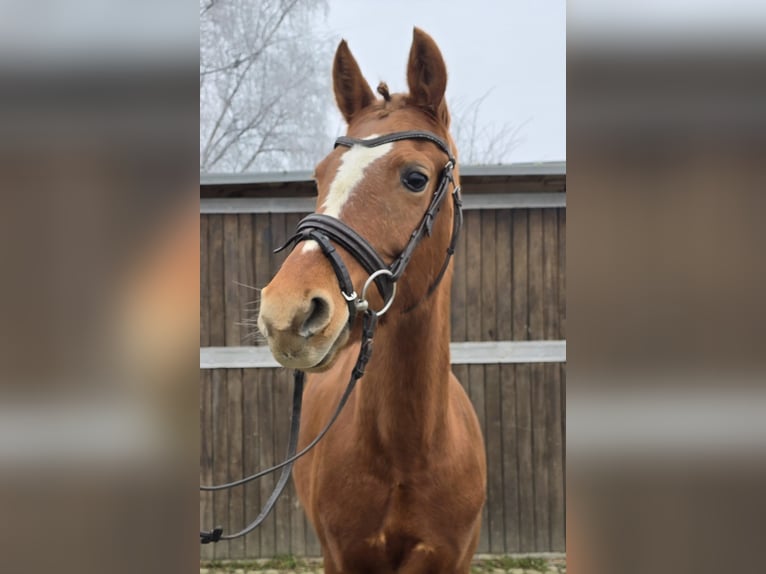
(302, 333)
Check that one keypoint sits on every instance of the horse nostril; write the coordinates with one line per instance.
(317, 317)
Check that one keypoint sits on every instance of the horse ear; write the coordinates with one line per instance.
(352, 92)
(427, 75)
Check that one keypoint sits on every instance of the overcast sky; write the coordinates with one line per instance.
(515, 48)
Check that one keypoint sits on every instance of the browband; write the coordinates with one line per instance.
(395, 137)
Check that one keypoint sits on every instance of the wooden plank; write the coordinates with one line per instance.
(249, 294)
(220, 462)
(553, 383)
(231, 279)
(494, 446)
(462, 353)
(472, 229)
(510, 460)
(281, 205)
(527, 537)
(233, 413)
(518, 200)
(267, 457)
(473, 333)
(555, 461)
(492, 399)
(471, 201)
(503, 311)
(535, 286)
(563, 418)
(507, 352)
(562, 217)
(204, 284)
(503, 256)
(519, 308)
(523, 393)
(488, 277)
(216, 315)
(281, 430)
(540, 387)
(550, 249)
(236, 468)
(262, 255)
(207, 456)
(251, 381)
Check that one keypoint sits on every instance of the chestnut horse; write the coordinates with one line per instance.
(398, 484)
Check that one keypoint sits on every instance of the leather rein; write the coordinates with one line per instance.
(326, 230)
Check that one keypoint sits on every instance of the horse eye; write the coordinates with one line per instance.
(415, 181)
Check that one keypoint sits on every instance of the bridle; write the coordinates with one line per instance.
(326, 230)
(323, 229)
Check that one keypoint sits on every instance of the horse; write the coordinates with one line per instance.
(399, 483)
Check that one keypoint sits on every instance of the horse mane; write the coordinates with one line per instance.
(383, 91)
(382, 108)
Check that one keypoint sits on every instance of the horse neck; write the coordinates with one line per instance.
(402, 400)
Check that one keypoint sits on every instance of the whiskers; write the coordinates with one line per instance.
(249, 318)
(246, 286)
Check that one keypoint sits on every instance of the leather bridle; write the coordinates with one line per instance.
(326, 230)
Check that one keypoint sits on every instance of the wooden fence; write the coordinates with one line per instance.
(508, 289)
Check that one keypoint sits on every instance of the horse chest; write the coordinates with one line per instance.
(368, 521)
(356, 504)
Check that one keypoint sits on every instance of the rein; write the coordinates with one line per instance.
(324, 230)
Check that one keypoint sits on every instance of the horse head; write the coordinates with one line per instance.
(381, 192)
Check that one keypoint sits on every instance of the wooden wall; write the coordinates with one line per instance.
(509, 285)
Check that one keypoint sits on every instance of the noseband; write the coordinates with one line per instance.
(325, 230)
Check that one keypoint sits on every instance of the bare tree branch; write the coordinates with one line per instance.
(206, 7)
(483, 143)
(261, 61)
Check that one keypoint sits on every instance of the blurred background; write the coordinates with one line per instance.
(99, 306)
(666, 401)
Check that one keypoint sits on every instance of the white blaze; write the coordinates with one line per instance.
(350, 173)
